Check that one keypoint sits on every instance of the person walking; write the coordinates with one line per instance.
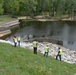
(46, 50)
(59, 53)
(35, 47)
(18, 40)
(15, 41)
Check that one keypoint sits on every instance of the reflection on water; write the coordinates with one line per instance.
(65, 31)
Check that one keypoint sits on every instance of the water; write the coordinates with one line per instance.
(65, 31)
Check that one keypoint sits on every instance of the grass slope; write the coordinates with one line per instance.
(20, 61)
(5, 18)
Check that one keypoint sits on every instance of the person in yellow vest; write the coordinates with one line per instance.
(59, 53)
(46, 50)
(18, 39)
(35, 47)
(15, 41)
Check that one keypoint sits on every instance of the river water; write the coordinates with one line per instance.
(65, 31)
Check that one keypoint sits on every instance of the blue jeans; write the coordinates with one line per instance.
(58, 56)
(18, 43)
(46, 54)
(15, 44)
(35, 50)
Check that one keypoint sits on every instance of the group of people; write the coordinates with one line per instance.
(16, 40)
(46, 50)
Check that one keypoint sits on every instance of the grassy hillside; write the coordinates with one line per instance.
(20, 61)
(5, 18)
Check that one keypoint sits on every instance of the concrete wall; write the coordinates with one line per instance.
(5, 27)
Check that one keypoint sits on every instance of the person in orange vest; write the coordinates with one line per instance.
(35, 47)
(15, 41)
(59, 53)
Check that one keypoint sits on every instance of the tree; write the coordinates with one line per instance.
(11, 7)
(36, 7)
(60, 4)
(1, 7)
(22, 8)
(31, 7)
(47, 6)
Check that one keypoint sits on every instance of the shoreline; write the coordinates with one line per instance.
(46, 18)
(14, 22)
(5, 27)
(68, 55)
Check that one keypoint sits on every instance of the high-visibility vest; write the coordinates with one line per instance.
(15, 39)
(46, 49)
(60, 52)
(18, 38)
(34, 44)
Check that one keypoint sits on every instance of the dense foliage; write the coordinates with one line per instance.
(37, 7)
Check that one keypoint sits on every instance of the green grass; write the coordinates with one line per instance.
(20, 61)
(5, 18)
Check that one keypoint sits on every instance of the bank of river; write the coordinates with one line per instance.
(47, 18)
(5, 27)
(42, 27)
(68, 55)
(15, 22)
(62, 31)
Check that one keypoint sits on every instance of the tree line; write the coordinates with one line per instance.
(37, 7)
